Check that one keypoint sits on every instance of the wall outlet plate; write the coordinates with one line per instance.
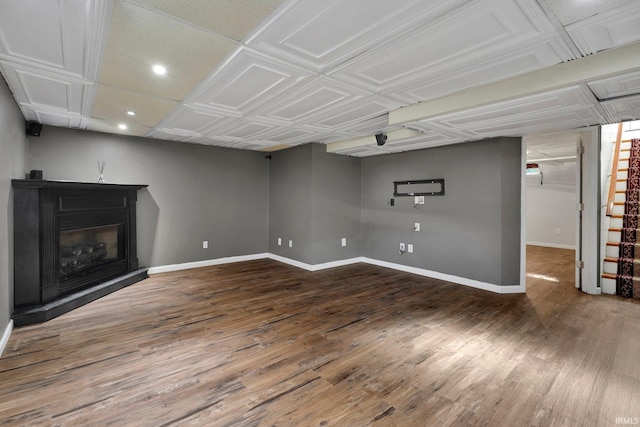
(343, 241)
(402, 247)
(205, 244)
(416, 226)
(279, 241)
(410, 248)
(290, 243)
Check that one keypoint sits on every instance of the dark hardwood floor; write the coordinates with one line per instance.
(263, 343)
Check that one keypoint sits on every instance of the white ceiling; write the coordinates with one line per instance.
(268, 74)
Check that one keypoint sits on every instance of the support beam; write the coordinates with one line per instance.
(601, 65)
(393, 135)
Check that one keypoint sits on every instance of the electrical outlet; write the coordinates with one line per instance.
(410, 248)
(279, 241)
(205, 244)
(290, 243)
(402, 247)
(416, 226)
(344, 241)
(420, 200)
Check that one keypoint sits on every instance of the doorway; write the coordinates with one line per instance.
(552, 225)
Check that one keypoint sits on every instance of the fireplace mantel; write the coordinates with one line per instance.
(36, 183)
(59, 261)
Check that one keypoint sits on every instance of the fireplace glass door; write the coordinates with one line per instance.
(86, 249)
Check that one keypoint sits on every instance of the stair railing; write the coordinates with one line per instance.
(614, 172)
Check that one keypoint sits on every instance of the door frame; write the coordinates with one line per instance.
(588, 193)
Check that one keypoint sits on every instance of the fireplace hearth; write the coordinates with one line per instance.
(74, 242)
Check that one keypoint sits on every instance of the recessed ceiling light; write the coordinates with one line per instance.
(159, 69)
(122, 126)
(131, 113)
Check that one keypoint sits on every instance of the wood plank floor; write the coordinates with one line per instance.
(261, 343)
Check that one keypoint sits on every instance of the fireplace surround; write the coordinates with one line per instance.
(74, 242)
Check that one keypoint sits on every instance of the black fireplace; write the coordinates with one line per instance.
(74, 242)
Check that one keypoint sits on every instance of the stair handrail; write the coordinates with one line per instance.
(614, 172)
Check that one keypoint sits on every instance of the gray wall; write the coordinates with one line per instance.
(195, 192)
(290, 203)
(473, 231)
(336, 206)
(315, 202)
(12, 165)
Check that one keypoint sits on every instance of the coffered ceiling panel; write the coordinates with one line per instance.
(247, 82)
(65, 38)
(49, 91)
(51, 71)
(497, 31)
(186, 122)
(321, 35)
(290, 135)
(569, 12)
(314, 97)
(52, 116)
(614, 87)
(241, 130)
(622, 109)
(615, 27)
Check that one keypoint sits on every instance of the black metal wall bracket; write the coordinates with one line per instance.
(421, 187)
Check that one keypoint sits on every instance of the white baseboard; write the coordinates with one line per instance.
(510, 289)
(339, 263)
(206, 263)
(315, 267)
(552, 245)
(5, 336)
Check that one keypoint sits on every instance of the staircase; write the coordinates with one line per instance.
(621, 252)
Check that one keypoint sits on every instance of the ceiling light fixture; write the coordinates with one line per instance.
(159, 69)
(122, 126)
(131, 113)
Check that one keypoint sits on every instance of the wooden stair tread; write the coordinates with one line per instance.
(613, 243)
(610, 259)
(609, 276)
